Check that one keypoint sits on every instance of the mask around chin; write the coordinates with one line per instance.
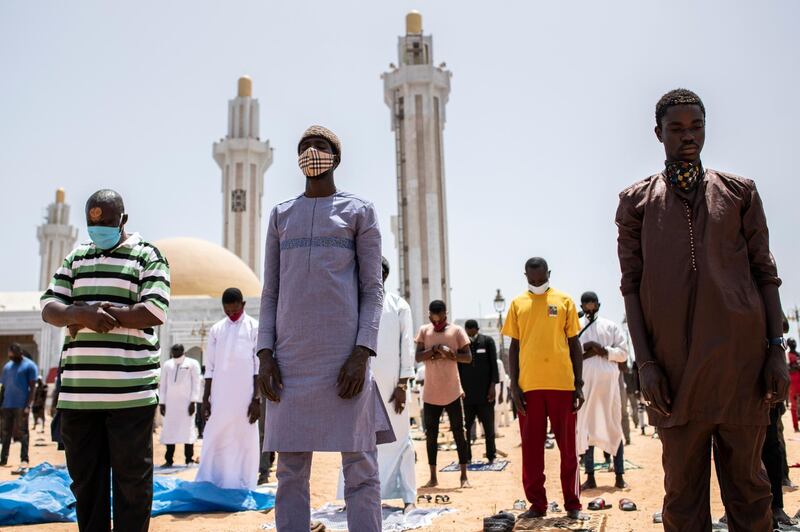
(539, 290)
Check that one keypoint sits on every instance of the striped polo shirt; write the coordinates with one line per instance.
(119, 369)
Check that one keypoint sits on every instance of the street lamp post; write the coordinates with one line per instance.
(500, 307)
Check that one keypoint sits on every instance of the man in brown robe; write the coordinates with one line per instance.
(701, 295)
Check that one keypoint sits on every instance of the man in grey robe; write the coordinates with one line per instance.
(320, 310)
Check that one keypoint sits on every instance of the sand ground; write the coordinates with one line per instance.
(490, 491)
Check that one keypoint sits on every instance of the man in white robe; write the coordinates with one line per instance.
(392, 368)
(231, 403)
(600, 420)
(178, 394)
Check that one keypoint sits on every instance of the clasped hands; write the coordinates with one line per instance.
(442, 351)
(92, 316)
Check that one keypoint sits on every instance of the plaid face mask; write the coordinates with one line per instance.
(314, 162)
(685, 176)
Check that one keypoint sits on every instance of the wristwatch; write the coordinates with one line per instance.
(781, 341)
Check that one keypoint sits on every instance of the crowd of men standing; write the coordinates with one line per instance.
(331, 354)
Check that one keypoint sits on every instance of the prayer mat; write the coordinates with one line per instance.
(596, 523)
(602, 466)
(394, 520)
(43, 496)
(497, 465)
(173, 469)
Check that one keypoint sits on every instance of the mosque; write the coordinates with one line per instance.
(416, 92)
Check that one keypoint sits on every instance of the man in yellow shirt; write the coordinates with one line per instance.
(546, 362)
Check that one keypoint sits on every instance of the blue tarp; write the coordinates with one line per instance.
(43, 496)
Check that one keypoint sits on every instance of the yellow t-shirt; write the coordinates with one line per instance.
(542, 324)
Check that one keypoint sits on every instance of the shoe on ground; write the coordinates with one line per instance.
(590, 483)
(620, 483)
(21, 470)
(780, 518)
(3, 463)
(166, 465)
(263, 478)
(190, 462)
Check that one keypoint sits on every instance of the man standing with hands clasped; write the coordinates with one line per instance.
(178, 394)
(701, 296)
(320, 310)
(546, 361)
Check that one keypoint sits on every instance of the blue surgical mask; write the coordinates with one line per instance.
(104, 237)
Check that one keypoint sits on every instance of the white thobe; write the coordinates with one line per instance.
(180, 385)
(502, 410)
(394, 361)
(600, 419)
(230, 451)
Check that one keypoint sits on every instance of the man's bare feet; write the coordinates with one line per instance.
(465, 483)
(432, 483)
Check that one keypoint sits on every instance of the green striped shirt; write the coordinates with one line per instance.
(121, 368)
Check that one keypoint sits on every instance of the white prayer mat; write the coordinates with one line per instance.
(394, 520)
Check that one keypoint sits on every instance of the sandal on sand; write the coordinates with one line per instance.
(598, 504)
(657, 518)
(627, 505)
(424, 498)
(442, 499)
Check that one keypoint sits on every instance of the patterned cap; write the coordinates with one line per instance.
(325, 133)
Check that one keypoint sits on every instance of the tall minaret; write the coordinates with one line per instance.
(243, 159)
(417, 92)
(56, 239)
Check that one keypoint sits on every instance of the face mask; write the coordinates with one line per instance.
(539, 290)
(439, 327)
(235, 317)
(314, 162)
(684, 176)
(179, 359)
(104, 237)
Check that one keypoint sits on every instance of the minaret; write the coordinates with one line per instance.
(417, 92)
(56, 239)
(243, 159)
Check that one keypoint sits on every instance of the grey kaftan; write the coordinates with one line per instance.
(322, 296)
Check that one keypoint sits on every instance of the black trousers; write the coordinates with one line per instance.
(455, 412)
(188, 452)
(772, 455)
(485, 414)
(14, 423)
(99, 442)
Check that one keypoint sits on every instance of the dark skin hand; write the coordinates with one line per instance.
(775, 375)
(576, 355)
(399, 397)
(516, 392)
(593, 349)
(78, 316)
(269, 376)
(353, 374)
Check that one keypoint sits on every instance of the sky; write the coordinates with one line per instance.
(551, 114)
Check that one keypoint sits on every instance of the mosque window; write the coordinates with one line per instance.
(238, 200)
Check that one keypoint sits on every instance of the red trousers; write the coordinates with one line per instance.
(557, 405)
(794, 392)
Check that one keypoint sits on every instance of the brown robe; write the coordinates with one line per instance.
(697, 261)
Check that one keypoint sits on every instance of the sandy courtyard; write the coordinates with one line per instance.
(491, 491)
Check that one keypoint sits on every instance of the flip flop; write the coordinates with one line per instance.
(424, 498)
(598, 504)
(317, 526)
(442, 499)
(657, 518)
(627, 505)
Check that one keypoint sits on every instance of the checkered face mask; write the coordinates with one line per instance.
(685, 176)
(314, 162)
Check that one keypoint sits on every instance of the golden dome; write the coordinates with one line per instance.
(202, 268)
(245, 86)
(414, 22)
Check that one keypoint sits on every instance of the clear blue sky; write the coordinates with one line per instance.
(550, 116)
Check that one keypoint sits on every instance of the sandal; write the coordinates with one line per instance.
(442, 499)
(598, 504)
(657, 518)
(627, 505)
(424, 498)
(317, 526)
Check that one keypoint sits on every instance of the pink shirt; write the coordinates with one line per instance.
(442, 384)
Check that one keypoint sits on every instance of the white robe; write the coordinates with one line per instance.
(180, 385)
(230, 451)
(394, 361)
(600, 419)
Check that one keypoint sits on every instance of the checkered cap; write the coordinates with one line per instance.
(325, 133)
(314, 162)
